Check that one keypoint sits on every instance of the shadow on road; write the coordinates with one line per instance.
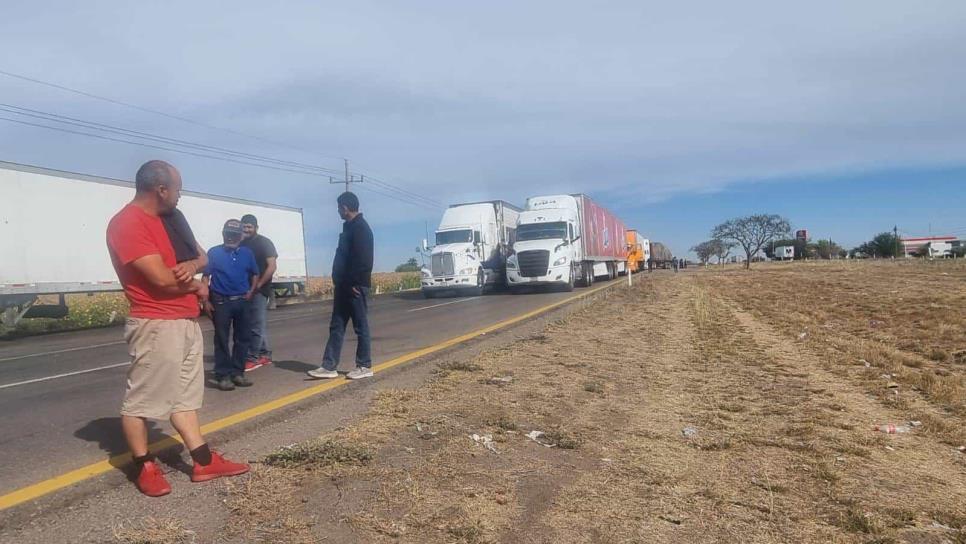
(294, 366)
(106, 431)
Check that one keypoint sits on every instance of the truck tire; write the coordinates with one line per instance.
(429, 294)
(589, 274)
(569, 286)
(480, 284)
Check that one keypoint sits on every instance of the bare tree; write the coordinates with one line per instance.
(704, 251)
(721, 249)
(752, 232)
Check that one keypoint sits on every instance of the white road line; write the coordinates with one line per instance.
(443, 304)
(35, 380)
(119, 342)
(55, 352)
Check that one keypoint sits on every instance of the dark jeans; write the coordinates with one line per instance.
(259, 345)
(231, 316)
(346, 306)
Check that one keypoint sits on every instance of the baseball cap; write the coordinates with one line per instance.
(232, 226)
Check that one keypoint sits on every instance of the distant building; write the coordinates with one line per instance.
(929, 246)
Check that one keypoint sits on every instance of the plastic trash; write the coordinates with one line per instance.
(688, 432)
(536, 436)
(486, 440)
(892, 429)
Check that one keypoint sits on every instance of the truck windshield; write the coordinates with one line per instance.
(454, 237)
(542, 231)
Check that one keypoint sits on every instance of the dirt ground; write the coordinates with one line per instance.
(707, 406)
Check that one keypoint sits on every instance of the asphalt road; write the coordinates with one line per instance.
(60, 394)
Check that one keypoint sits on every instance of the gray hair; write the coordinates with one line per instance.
(152, 174)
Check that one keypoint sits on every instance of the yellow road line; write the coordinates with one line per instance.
(67, 479)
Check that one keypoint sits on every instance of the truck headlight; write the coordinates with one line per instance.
(466, 271)
(511, 262)
(426, 273)
(560, 261)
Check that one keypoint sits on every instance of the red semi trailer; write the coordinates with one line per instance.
(565, 240)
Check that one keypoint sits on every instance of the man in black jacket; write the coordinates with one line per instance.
(352, 278)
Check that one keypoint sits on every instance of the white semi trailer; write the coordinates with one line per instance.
(471, 247)
(52, 236)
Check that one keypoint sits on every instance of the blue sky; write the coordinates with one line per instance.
(846, 117)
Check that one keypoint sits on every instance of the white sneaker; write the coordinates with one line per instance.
(321, 372)
(359, 372)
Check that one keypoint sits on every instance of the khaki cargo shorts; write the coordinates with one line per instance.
(167, 367)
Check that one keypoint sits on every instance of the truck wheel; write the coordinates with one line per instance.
(480, 284)
(569, 286)
(589, 271)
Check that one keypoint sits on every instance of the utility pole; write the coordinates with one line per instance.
(348, 179)
(895, 234)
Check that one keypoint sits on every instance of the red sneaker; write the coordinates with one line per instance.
(264, 360)
(151, 480)
(218, 467)
(251, 365)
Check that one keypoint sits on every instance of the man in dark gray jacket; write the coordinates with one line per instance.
(352, 279)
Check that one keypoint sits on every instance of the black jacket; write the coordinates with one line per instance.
(353, 258)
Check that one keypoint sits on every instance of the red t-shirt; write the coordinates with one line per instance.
(132, 234)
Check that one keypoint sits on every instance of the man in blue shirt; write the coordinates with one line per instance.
(231, 275)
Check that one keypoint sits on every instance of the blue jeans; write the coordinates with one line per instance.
(231, 316)
(259, 326)
(345, 306)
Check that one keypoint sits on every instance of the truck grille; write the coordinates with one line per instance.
(442, 264)
(533, 263)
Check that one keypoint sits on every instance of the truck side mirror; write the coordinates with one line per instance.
(476, 237)
(425, 245)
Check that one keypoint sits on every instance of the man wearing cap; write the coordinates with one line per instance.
(260, 352)
(166, 376)
(231, 277)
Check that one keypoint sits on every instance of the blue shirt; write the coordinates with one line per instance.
(231, 270)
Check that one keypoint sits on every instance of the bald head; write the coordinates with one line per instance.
(158, 183)
(153, 174)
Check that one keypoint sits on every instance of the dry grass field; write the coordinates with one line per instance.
(104, 309)
(707, 406)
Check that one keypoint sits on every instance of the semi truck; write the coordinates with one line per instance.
(661, 256)
(53, 229)
(638, 251)
(784, 253)
(470, 249)
(565, 240)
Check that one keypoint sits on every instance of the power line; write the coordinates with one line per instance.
(141, 144)
(73, 121)
(152, 111)
(225, 159)
(138, 134)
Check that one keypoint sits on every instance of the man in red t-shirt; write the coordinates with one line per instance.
(166, 376)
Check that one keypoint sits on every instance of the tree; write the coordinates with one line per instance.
(753, 232)
(704, 251)
(721, 249)
(409, 266)
(826, 249)
(885, 244)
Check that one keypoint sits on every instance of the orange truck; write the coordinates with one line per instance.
(638, 251)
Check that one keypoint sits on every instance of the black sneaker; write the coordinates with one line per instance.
(241, 381)
(225, 384)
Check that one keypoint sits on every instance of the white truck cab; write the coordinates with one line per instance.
(470, 248)
(548, 250)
